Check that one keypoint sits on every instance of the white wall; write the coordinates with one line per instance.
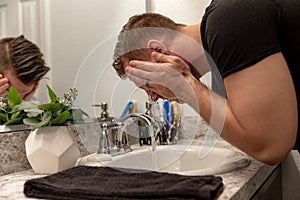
(9, 23)
(76, 28)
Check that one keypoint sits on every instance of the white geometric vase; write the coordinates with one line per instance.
(51, 149)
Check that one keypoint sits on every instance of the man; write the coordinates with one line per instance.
(255, 45)
(21, 66)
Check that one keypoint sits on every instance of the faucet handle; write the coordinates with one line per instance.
(104, 141)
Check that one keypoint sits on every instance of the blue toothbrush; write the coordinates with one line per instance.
(126, 110)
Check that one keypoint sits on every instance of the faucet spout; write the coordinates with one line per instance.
(129, 119)
(153, 126)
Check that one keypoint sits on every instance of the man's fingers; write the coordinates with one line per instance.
(160, 57)
(139, 82)
(142, 65)
(3, 93)
(4, 89)
(4, 85)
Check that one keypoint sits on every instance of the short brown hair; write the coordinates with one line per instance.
(24, 57)
(132, 39)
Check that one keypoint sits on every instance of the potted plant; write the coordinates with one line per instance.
(50, 147)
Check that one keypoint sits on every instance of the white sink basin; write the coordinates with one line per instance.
(182, 160)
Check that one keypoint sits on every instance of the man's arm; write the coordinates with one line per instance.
(261, 116)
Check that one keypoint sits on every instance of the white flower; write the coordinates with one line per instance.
(69, 97)
(3, 102)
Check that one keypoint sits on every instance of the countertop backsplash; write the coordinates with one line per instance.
(12, 152)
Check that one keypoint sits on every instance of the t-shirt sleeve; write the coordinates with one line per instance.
(238, 34)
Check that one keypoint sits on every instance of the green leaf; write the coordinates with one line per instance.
(31, 121)
(48, 114)
(14, 121)
(3, 117)
(13, 97)
(77, 114)
(46, 118)
(25, 105)
(33, 112)
(83, 113)
(28, 107)
(52, 107)
(61, 118)
(52, 95)
(35, 123)
(17, 114)
(3, 110)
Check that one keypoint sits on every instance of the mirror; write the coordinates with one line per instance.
(69, 31)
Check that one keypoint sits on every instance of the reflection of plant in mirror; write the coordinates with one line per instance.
(59, 111)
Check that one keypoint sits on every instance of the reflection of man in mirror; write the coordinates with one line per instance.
(257, 59)
(21, 66)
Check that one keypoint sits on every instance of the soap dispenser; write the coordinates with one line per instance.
(104, 117)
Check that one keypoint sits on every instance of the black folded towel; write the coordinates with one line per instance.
(86, 182)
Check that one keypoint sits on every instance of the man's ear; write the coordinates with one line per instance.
(155, 45)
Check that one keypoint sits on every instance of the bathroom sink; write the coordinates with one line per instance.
(185, 160)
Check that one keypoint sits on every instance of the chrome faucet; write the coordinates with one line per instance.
(114, 140)
(152, 124)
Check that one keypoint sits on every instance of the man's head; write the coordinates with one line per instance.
(22, 63)
(141, 34)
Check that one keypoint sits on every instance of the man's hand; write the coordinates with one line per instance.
(168, 76)
(4, 85)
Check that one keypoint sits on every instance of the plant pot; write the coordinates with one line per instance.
(51, 149)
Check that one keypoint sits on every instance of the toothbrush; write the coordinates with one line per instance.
(126, 110)
(167, 114)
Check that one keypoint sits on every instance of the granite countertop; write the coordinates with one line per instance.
(239, 184)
